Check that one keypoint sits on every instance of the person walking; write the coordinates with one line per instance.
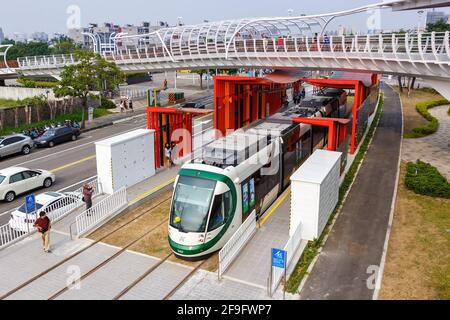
(302, 95)
(168, 149)
(130, 105)
(88, 191)
(43, 225)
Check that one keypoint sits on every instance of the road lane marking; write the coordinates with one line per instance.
(275, 208)
(73, 163)
(162, 185)
(77, 147)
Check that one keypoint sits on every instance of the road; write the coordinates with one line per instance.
(72, 162)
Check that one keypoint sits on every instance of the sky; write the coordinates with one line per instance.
(50, 16)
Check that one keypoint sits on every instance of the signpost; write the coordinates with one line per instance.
(30, 206)
(279, 260)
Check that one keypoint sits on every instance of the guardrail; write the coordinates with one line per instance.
(237, 242)
(277, 274)
(19, 229)
(90, 219)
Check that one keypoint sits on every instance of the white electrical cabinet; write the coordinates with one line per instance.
(125, 160)
(315, 193)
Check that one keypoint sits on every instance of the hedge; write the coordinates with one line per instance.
(424, 179)
(28, 83)
(108, 104)
(433, 125)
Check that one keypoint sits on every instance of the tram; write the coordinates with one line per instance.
(242, 173)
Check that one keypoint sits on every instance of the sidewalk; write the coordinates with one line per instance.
(356, 242)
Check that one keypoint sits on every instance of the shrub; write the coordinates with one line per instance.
(424, 179)
(108, 104)
(433, 125)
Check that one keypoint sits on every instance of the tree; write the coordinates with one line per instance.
(200, 72)
(91, 73)
(64, 46)
(440, 26)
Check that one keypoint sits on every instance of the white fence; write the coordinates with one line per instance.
(276, 274)
(22, 228)
(237, 242)
(90, 219)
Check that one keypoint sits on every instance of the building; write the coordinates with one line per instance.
(20, 37)
(436, 16)
(2, 36)
(105, 34)
(39, 36)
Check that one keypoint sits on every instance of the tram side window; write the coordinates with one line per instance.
(220, 211)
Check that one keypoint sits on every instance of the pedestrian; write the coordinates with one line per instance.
(130, 105)
(122, 106)
(87, 196)
(165, 84)
(302, 94)
(168, 149)
(43, 225)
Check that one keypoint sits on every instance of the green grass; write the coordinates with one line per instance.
(433, 123)
(422, 178)
(7, 103)
(313, 247)
(76, 116)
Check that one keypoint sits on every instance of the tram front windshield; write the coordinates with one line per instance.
(191, 203)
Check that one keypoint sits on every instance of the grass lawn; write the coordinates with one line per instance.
(76, 116)
(412, 118)
(418, 261)
(8, 103)
(155, 244)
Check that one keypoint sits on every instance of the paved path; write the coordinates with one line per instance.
(433, 149)
(357, 239)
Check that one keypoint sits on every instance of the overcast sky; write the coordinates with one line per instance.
(27, 16)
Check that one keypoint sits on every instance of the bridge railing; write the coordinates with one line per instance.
(427, 47)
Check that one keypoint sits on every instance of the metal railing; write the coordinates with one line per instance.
(433, 48)
(237, 242)
(277, 274)
(107, 208)
(18, 229)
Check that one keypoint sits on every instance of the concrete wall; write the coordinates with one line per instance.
(18, 93)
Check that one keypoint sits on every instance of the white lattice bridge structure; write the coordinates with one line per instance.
(284, 42)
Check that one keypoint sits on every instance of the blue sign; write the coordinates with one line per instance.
(30, 203)
(278, 258)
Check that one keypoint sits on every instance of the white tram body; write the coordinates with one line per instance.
(241, 173)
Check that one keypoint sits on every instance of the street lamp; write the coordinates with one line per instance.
(420, 13)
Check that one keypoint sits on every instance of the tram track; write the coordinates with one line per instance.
(109, 234)
(108, 260)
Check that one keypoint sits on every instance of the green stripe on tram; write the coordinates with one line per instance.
(194, 250)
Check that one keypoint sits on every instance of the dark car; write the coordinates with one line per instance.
(57, 135)
(194, 105)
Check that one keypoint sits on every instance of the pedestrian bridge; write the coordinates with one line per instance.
(422, 55)
(273, 43)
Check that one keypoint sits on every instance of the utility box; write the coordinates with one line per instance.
(315, 193)
(125, 160)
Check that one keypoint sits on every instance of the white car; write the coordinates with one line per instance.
(16, 180)
(53, 203)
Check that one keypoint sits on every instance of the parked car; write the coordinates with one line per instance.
(16, 180)
(13, 144)
(53, 203)
(194, 105)
(55, 136)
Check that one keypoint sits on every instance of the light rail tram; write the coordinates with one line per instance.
(242, 173)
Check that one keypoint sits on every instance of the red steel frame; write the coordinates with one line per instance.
(337, 129)
(360, 96)
(177, 119)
